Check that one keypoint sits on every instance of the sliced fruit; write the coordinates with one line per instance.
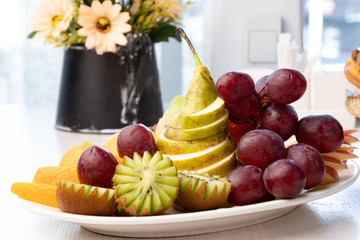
(350, 131)
(53, 174)
(222, 167)
(175, 107)
(340, 155)
(36, 192)
(202, 192)
(201, 118)
(146, 185)
(169, 146)
(72, 155)
(111, 145)
(349, 139)
(347, 147)
(331, 176)
(335, 163)
(85, 199)
(200, 132)
(204, 158)
(198, 126)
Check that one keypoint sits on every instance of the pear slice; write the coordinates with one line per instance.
(173, 147)
(201, 118)
(175, 107)
(198, 133)
(222, 167)
(204, 158)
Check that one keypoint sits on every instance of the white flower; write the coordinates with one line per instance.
(53, 17)
(104, 26)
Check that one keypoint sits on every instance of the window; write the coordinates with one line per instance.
(30, 70)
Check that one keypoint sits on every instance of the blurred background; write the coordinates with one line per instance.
(229, 35)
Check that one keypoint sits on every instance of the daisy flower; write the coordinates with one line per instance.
(53, 17)
(104, 26)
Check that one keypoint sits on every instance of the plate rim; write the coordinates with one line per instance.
(311, 195)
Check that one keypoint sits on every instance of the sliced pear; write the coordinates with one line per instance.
(222, 167)
(198, 133)
(201, 118)
(175, 107)
(204, 158)
(172, 147)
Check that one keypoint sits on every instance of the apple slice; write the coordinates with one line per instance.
(347, 147)
(331, 176)
(349, 139)
(335, 163)
(350, 131)
(340, 155)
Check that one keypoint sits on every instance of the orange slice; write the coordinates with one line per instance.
(111, 145)
(72, 155)
(36, 192)
(53, 174)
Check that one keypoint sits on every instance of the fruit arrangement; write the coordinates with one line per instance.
(220, 145)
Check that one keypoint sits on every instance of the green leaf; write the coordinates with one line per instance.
(162, 34)
(31, 35)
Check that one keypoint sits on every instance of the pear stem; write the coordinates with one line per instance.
(183, 34)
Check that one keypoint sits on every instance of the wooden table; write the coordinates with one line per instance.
(28, 141)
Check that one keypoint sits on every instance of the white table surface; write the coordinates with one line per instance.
(28, 141)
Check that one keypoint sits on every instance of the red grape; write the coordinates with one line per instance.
(284, 178)
(96, 167)
(285, 86)
(260, 84)
(247, 185)
(244, 111)
(238, 130)
(260, 148)
(280, 118)
(323, 132)
(311, 160)
(135, 138)
(235, 86)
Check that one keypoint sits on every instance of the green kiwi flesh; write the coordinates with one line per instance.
(85, 199)
(146, 185)
(201, 191)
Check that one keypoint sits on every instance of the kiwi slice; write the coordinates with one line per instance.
(201, 191)
(146, 185)
(85, 199)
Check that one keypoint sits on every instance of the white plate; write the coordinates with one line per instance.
(174, 223)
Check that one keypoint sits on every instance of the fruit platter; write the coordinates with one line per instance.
(226, 155)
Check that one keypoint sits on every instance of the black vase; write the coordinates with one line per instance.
(103, 93)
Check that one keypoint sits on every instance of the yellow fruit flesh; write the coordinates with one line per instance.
(36, 192)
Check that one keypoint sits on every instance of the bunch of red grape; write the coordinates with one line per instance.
(261, 119)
